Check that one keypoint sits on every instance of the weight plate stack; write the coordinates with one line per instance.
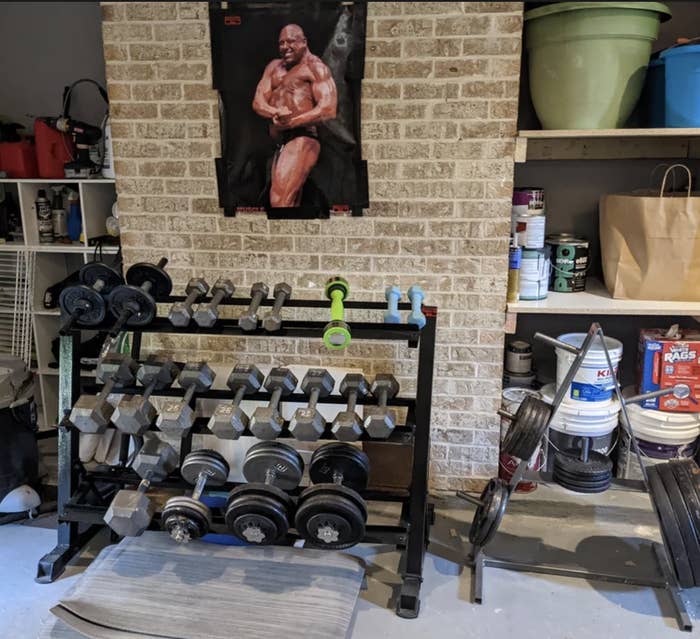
(488, 516)
(671, 528)
(192, 517)
(527, 428)
(259, 513)
(572, 473)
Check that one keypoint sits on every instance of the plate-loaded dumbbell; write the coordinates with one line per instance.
(331, 513)
(92, 413)
(392, 295)
(135, 413)
(416, 295)
(347, 425)
(273, 318)
(176, 417)
(134, 303)
(181, 312)
(131, 511)
(258, 292)
(207, 314)
(267, 421)
(336, 334)
(308, 424)
(85, 303)
(382, 420)
(186, 518)
(228, 420)
(261, 512)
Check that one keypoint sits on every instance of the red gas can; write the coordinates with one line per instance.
(18, 159)
(53, 150)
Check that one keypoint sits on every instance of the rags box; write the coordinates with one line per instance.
(667, 358)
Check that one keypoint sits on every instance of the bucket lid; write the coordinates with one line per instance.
(661, 427)
(681, 49)
(577, 339)
(561, 7)
(516, 394)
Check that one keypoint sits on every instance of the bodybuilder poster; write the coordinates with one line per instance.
(289, 81)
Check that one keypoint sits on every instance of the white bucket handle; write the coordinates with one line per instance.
(671, 168)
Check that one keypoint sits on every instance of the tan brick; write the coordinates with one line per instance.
(430, 91)
(120, 71)
(164, 168)
(400, 111)
(181, 31)
(404, 69)
(430, 130)
(484, 89)
(187, 149)
(488, 129)
(150, 52)
(432, 48)
(428, 170)
(151, 11)
(372, 246)
(508, 24)
(121, 130)
(133, 111)
(126, 167)
(202, 168)
(504, 109)
(157, 91)
(412, 27)
(112, 11)
(122, 32)
(402, 150)
(491, 46)
(140, 186)
(185, 111)
(426, 247)
(136, 149)
(181, 70)
(380, 90)
(193, 10)
(383, 48)
(206, 205)
(504, 68)
(460, 68)
(462, 25)
(492, 7)
(199, 51)
(208, 130)
(116, 52)
(166, 204)
(160, 130)
(463, 109)
(381, 130)
(417, 8)
(199, 92)
(118, 92)
(190, 187)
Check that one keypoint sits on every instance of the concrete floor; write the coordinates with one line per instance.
(608, 532)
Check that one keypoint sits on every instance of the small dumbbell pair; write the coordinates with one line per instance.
(416, 297)
(182, 313)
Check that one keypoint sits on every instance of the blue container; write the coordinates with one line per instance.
(682, 66)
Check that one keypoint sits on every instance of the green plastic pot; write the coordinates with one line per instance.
(587, 60)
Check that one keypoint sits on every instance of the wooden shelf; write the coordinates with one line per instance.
(606, 144)
(596, 300)
(55, 181)
(55, 248)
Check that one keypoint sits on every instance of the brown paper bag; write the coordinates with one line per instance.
(650, 244)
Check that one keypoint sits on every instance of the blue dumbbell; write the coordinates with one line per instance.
(393, 295)
(416, 295)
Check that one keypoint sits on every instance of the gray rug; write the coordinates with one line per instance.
(149, 587)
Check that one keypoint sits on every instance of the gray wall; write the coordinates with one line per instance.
(45, 46)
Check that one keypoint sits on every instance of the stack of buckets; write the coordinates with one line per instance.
(589, 408)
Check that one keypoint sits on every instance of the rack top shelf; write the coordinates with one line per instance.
(55, 181)
(596, 300)
(607, 133)
(54, 248)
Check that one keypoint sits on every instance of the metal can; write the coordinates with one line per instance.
(515, 256)
(59, 221)
(569, 258)
(518, 357)
(528, 217)
(534, 274)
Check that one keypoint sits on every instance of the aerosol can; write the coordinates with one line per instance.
(43, 214)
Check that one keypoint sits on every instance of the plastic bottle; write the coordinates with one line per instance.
(75, 222)
(43, 214)
(58, 216)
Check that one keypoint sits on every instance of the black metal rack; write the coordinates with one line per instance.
(80, 518)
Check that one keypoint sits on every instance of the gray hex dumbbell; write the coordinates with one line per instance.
(181, 312)
(273, 319)
(177, 416)
(258, 292)
(135, 413)
(207, 314)
(92, 413)
(382, 421)
(228, 420)
(131, 511)
(267, 422)
(308, 424)
(347, 425)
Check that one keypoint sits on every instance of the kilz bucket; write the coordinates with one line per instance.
(593, 381)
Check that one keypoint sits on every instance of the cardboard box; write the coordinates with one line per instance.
(666, 361)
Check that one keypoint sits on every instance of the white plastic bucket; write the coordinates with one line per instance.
(594, 380)
(583, 419)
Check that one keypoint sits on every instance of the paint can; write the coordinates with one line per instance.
(518, 357)
(519, 380)
(528, 217)
(568, 255)
(534, 275)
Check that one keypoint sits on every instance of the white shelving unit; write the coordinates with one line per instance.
(54, 262)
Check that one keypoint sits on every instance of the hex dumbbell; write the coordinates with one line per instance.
(347, 425)
(176, 417)
(381, 422)
(258, 292)
(331, 513)
(181, 312)
(417, 317)
(228, 420)
(131, 511)
(308, 424)
(267, 422)
(392, 295)
(336, 334)
(135, 413)
(207, 314)
(261, 512)
(186, 518)
(273, 319)
(92, 413)
(134, 303)
(85, 303)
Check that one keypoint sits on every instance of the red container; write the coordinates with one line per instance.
(53, 150)
(18, 159)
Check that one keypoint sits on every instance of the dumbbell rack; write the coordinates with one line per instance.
(80, 518)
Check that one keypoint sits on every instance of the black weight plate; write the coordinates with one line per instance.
(94, 271)
(581, 479)
(210, 461)
(527, 428)
(343, 459)
(92, 305)
(141, 272)
(197, 525)
(598, 486)
(488, 516)
(258, 518)
(597, 463)
(140, 302)
(329, 521)
(683, 470)
(266, 490)
(516, 429)
(669, 529)
(685, 522)
(335, 490)
(281, 459)
(536, 428)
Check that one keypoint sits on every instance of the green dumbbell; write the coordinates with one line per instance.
(336, 335)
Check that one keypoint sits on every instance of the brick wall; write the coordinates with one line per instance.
(439, 111)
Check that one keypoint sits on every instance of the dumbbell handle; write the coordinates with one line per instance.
(125, 315)
(240, 394)
(66, 326)
(189, 393)
(280, 299)
(337, 308)
(255, 302)
(313, 398)
(145, 483)
(201, 483)
(352, 400)
(393, 295)
(382, 397)
(218, 296)
(191, 298)
(107, 387)
(275, 398)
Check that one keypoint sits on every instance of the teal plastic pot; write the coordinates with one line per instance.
(587, 60)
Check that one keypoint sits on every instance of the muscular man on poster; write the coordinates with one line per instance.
(296, 92)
